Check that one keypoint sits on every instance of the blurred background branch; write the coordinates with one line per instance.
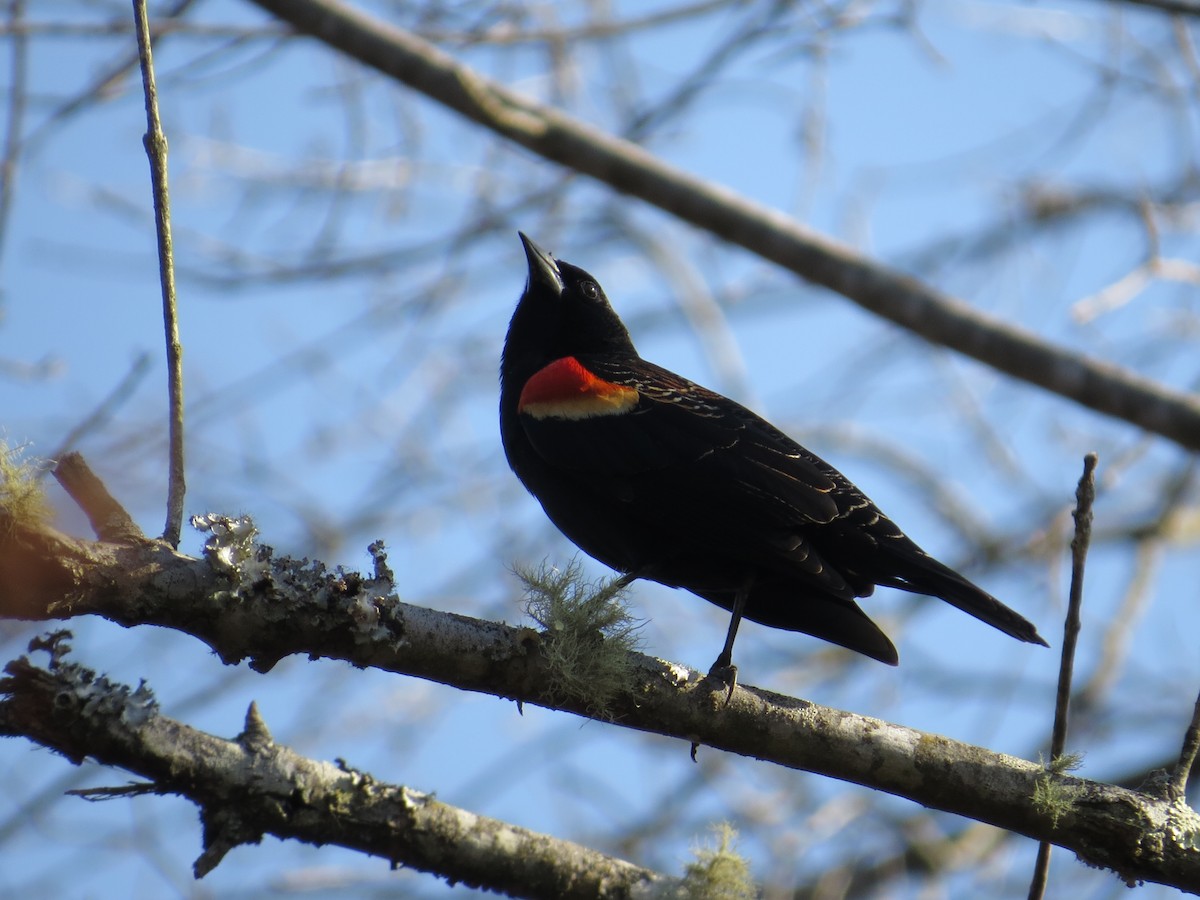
(349, 256)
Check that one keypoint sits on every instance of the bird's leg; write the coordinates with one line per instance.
(723, 668)
(625, 580)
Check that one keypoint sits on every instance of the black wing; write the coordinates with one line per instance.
(677, 425)
(704, 466)
(701, 466)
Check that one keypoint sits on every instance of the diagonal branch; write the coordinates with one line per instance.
(247, 605)
(630, 169)
(1173, 7)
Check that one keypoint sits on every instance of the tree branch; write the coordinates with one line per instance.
(250, 787)
(108, 518)
(630, 169)
(245, 604)
(1172, 7)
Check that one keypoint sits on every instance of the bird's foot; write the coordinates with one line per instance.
(724, 671)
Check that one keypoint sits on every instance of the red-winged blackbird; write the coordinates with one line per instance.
(660, 478)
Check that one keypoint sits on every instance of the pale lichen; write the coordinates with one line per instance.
(21, 496)
(231, 549)
(588, 635)
(374, 599)
(719, 873)
(89, 694)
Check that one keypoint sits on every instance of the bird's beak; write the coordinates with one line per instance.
(542, 267)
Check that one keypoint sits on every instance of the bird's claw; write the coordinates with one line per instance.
(726, 673)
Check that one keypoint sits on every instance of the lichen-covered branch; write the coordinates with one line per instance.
(250, 787)
(247, 605)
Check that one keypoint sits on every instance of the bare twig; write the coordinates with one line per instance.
(17, 95)
(630, 169)
(1177, 789)
(109, 519)
(1085, 495)
(106, 407)
(104, 81)
(156, 149)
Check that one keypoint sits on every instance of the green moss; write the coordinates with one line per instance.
(21, 494)
(588, 634)
(1051, 797)
(1068, 762)
(719, 874)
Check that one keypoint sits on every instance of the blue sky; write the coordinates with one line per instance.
(923, 138)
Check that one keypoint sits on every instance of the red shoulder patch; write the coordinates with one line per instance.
(566, 390)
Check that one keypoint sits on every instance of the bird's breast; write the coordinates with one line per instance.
(565, 389)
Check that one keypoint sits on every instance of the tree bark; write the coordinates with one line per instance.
(247, 605)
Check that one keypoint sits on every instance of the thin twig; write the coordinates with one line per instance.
(106, 407)
(100, 86)
(156, 149)
(108, 517)
(1085, 494)
(17, 95)
(1177, 789)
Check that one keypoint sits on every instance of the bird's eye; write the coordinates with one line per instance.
(590, 290)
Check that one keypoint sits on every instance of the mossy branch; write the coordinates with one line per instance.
(246, 603)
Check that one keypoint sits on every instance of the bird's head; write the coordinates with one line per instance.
(563, 312)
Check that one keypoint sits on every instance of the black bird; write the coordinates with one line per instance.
(660, 478)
